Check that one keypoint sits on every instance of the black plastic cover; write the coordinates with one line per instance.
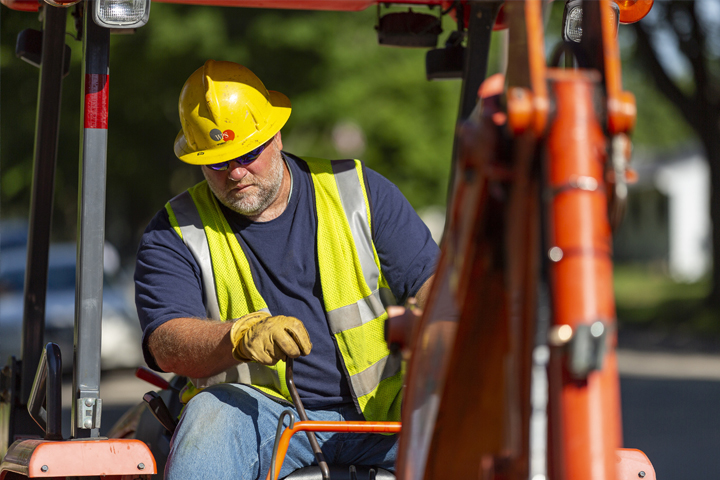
(445, 63)
(29, 48)
(409, 29)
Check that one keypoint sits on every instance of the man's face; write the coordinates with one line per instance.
(250, 189)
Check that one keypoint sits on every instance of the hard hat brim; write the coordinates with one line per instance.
(281, 109)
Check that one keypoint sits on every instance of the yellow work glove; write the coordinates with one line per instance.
(259, 337)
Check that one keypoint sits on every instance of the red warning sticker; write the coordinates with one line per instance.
(96, 101)
(228, 135)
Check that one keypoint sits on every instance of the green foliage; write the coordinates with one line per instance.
(338, 78)
(328, 63)
(648, 298)
(659, 123)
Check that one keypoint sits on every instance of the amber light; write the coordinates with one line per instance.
(632, 11)
(62, 3)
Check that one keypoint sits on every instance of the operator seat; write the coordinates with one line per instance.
(340, 473)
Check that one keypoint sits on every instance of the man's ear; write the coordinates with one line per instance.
(278, 140)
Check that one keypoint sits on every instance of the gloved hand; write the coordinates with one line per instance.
(259, 337)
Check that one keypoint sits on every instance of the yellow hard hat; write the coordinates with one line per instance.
(225, 112)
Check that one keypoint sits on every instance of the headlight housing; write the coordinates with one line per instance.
(121, 13)
(573, 17)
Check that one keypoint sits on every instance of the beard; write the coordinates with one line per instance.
(260, 194)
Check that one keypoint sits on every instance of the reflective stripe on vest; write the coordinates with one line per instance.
(193, 226)
(350, 276)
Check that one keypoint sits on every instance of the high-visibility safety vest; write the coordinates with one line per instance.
(350, 276)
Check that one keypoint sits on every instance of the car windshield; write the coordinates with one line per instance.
(61, 268)
(59, 278)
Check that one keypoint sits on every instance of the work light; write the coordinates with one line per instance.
(572, 20)
(572, 28)
(121, 13)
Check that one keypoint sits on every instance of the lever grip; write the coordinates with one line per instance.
(160, 411)
(152, 378)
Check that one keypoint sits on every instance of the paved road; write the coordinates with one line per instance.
(676, 423)
(671, 411)
(670, 404)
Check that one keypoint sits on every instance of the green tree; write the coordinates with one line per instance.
(692, 30)
(351, 97)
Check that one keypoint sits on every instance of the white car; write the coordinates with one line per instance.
(121, 334)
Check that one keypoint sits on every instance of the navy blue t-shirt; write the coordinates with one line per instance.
(283, 257)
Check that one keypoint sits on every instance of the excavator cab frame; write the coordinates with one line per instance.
(539, 166)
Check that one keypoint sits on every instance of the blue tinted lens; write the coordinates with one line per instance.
(243, 160)
(252, 155)
(218, 167)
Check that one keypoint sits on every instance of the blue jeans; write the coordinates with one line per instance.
(228, 431)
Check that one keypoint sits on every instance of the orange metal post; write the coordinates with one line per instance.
(527, 96)
(584, 412)
(620, 104)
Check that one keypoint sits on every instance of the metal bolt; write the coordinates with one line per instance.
(87, 423)
(641, 474)
(597, 329)
(560, 335)
(555, 254)
(141, 466)
(44, 468)
(89, 402)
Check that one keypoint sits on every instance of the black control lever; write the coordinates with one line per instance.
(324, 469)
(160, 411)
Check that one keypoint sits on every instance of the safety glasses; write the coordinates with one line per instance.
(243, 160)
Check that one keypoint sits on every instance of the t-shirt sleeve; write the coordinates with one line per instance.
(167, 280)
(407, 252)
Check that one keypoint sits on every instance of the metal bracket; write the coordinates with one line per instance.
(587, 349)
(89, 412)
(619, 159)
(584, 347)
(278, 434)
(7, 376)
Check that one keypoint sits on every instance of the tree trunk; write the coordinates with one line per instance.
(711, 142)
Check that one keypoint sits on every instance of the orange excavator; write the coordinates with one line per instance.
(522, 301)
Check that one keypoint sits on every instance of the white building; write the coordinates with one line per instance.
(668, 216)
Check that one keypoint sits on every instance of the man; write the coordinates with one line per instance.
(273, 257)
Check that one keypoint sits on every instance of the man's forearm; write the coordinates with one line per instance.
(193, 347)
(422, 294)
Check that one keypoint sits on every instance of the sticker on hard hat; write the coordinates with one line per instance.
(228, 135)
(216, 134)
